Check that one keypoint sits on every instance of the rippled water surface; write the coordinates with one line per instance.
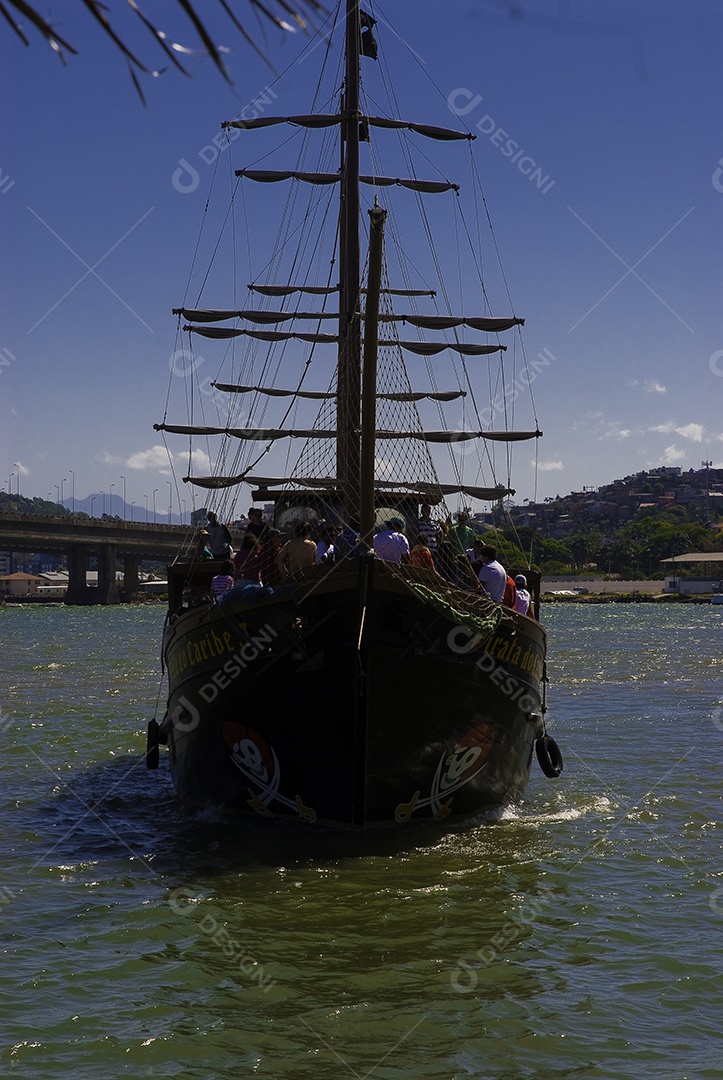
(581, 936)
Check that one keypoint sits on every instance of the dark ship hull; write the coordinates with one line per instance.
(355, 697)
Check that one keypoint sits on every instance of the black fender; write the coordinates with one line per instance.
(549, 756)
(152, 740)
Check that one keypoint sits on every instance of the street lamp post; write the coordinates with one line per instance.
(146, 498)
(72, 492)
(124, 497)
(154, 505)
(92, 500)
(110, 500)
(16, 465)
(132, 510)
(103, 494)
(170, 499)
(62, 490)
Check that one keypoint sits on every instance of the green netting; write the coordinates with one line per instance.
(482, 623)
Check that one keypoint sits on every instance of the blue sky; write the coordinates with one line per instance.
(615, 261)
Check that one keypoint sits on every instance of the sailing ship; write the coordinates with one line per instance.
(361, 693)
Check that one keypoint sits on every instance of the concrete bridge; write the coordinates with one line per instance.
(78, 537)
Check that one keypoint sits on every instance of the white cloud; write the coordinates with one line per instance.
(654, 387)
(154, 458)
(201, 461)
(691, 431)
(108, 459)
(665, 429)
(548, 466)
(671, 454)
(686, 431)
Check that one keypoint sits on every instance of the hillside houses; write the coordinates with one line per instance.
(616, 503)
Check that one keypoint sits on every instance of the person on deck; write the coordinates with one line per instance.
(325, 550)
(347, 543)
(219, 537)
(431, 530)
(492, 575)
(461, 536)
(299, 553)
(247, 561)
(391, 544)
(204, 550)
(420, 555)
(257, 526)
(224, 581)
(523, 599)
(270, 548)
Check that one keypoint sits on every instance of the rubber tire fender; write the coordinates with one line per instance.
(152, 739)
(549, 756)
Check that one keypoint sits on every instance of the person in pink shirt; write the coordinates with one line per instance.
(224, 581)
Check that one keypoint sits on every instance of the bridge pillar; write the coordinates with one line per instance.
(131, 580)
(77, 592)
(107, 584)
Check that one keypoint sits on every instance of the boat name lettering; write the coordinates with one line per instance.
(463, 639)
(214, 644)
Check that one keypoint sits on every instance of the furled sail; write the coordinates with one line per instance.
(273, 176)
(421, 348)
(328, 483)
(322, 120)
(448, 322)
(224, 332)
(270, 434)
(326, 290)
(251, 315)
(318, 395)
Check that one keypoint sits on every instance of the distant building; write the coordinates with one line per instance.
(21, 584)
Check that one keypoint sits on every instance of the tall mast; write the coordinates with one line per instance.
(349, 373)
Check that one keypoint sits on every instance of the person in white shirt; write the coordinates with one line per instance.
(391, 544)
(523, 598)
(492, 575)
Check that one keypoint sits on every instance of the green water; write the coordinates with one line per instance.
(579, 937)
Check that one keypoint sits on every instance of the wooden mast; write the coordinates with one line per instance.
(349, 372)
(377, 217)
